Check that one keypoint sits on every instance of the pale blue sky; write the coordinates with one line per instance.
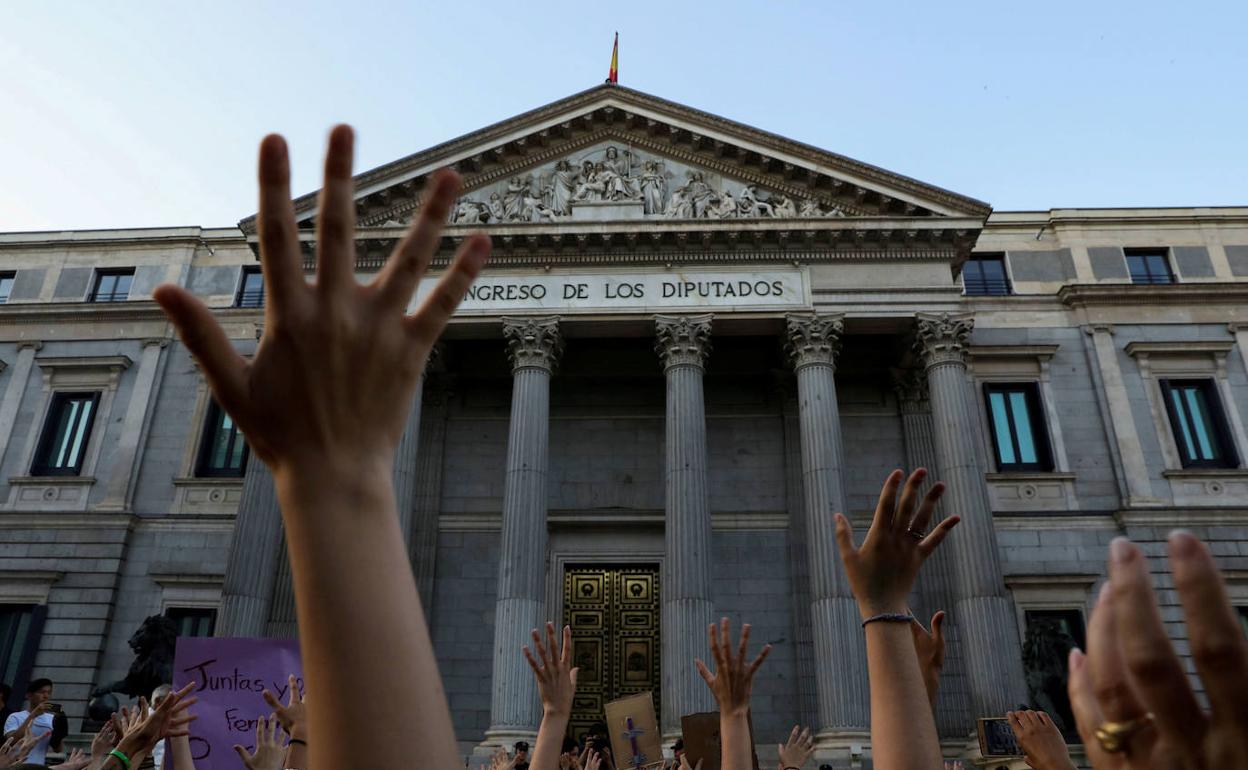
(135, 114)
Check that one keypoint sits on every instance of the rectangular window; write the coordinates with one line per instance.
(193, 621)
(66, 432)
(21, 626)
(223, 450)
(1049, 637)
(1019, 435)
(7, 279)
(1198, 424)
(1149, 266)
(984, 275)
(250, 289)
(112, 285)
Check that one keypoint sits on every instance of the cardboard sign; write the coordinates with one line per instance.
(702, 742)
(635, 738)
(230, 676)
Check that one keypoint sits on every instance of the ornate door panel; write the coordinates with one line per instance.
(614, 615)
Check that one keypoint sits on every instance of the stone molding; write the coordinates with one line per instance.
(533, 343)
(813, 338)
(1092, 295)
(941, 338)
(683, 340)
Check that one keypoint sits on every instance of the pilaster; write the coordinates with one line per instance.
(1128, 453)
(134, 426)
(18, 379)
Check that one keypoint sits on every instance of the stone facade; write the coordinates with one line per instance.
(706, 428)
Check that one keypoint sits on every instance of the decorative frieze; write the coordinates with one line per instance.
(533, 343)
(813, 338)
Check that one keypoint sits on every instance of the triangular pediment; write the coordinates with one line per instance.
(611, 154)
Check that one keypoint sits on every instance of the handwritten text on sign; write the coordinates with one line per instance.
(230, 678)
(634, 292)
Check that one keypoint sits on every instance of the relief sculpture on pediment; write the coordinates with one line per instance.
(609, 182)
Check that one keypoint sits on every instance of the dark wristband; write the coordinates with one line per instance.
(889, 617)
(299, 741)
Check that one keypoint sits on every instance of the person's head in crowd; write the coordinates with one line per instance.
(38, 692)
(569, 746)
(521, 753)
(159, 693)
(678, 749)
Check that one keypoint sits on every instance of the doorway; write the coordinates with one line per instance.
(614, 615)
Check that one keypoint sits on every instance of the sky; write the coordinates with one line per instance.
(147, 114)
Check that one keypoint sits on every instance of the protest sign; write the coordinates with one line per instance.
(634, 728)
(230, 676)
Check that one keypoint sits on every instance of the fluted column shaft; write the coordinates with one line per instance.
(251, 572)
(405, 456)
(683, 342)
(534, 346)
(983, 610)
(936, 589)
(840, 651)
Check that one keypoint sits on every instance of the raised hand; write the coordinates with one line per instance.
(16, 748)
(170, 719)
(929, 648)
(882, 570)
(299, 400)
(270, 748)
(76, 760)
(501, 760)
(1040, 740)
(795, 752)
(593, 760)
(1133, 702)
(294, 715)
(734, 676)
(553, 669)
(104, 741)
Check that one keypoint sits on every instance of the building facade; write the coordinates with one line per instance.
(697, 341)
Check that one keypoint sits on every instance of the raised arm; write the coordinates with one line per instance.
(881, 574)
(731, 685)
(323, 403)
(556, 684)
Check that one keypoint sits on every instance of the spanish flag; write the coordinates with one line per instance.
(614, 75)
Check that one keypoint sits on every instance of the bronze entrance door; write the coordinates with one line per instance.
(614, 615)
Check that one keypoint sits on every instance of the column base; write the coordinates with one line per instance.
(842, 748)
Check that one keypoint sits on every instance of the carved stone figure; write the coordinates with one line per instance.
(592, 186)
(725, 208)
(513, 200)
(497, 212)
(810, 208)
(563, 187)
(679, 207)
(782, 207)
(469, 212)
(750, 206)
(153, 644)
(653, 188)
(700, 194)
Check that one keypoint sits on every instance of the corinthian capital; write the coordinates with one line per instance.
(910, 385)
(533, 343)
(683, 340)
(941, 337)
(811, 338)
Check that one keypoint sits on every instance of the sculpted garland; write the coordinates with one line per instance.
(624, 177)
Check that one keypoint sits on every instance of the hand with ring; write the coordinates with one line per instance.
(1132, 699)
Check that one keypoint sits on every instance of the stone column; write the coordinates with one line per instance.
(983, 609)
(251, 572)
(427, 507)
(406, 456)
(812, 342)
(134, 426)
(533, 345)
(18, 379)
(936, 588)
(683, 343)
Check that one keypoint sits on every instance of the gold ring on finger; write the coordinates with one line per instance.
(1114, 737)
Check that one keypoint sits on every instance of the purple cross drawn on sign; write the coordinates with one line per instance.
(631, 734)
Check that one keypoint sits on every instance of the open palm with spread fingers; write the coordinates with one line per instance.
(344, 332)
(882, 570)
(1131, 695)
(556, 676)
(797, 750)
(734, 675)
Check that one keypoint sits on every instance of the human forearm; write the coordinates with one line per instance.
(351, 571)
(297, 754)
(549, 741)
(180, 753)
(734, 735)
(903, 731)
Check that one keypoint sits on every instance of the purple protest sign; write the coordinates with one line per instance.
(230, 676)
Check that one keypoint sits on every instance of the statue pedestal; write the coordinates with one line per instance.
(601, 211)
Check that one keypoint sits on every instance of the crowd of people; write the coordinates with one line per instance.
(323, 402)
